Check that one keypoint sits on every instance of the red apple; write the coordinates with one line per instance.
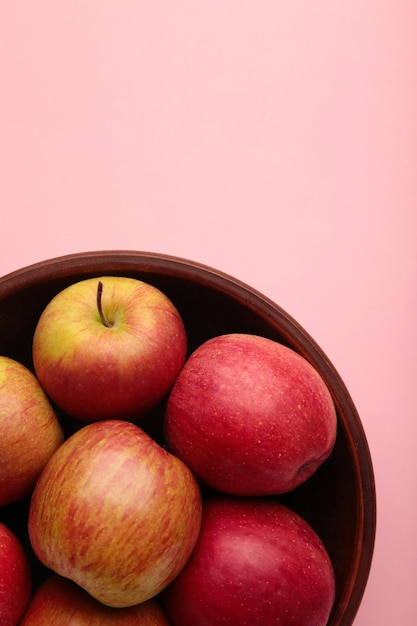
(256, 562)
(115, 512)
(30, 431)
(60, 602)
(15, 578)
(109, 347)
(250, 416)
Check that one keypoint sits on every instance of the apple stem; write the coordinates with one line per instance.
(99, 306)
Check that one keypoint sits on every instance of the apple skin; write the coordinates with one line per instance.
(30, 431)
(15, 578)
(115, 512)
(60, 602)
(250, 416)
(256, 562)
(94, 372)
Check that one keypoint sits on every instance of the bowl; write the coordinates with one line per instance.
(338, 500)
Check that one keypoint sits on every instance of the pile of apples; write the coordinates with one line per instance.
(189, 531)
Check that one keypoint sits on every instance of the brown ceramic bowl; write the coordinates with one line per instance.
(338, 501)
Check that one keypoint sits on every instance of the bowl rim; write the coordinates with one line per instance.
(96, 262)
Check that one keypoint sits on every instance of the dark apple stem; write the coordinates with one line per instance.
(99, 306)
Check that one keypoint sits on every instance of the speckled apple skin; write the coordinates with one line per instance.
(256, 563)
(250, 416)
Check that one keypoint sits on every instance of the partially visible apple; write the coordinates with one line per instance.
(30, 431)
(256, 562)
(15, 578)
(250, 416)
(115, 512)
(60, 602)
(109, 347)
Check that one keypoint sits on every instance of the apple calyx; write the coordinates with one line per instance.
(103, 318)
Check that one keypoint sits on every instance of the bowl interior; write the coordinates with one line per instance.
(338, 501)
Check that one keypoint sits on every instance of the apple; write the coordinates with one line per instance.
(30, 431)
(250, 416)
(15, 578)
(60, 602)
(256, 562)
(115, 512)
(108, 348)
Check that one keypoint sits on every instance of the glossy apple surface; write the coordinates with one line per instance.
(115, 512)
(250, 416)
(118, 365)
(15, 578)
(30, 431)
(257, 563)
(60, 602)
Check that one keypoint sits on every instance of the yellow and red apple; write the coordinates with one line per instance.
(109, 348)
(30, 430)
(60, 602)
(115, 512)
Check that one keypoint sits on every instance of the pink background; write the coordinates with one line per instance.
(275, 141)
